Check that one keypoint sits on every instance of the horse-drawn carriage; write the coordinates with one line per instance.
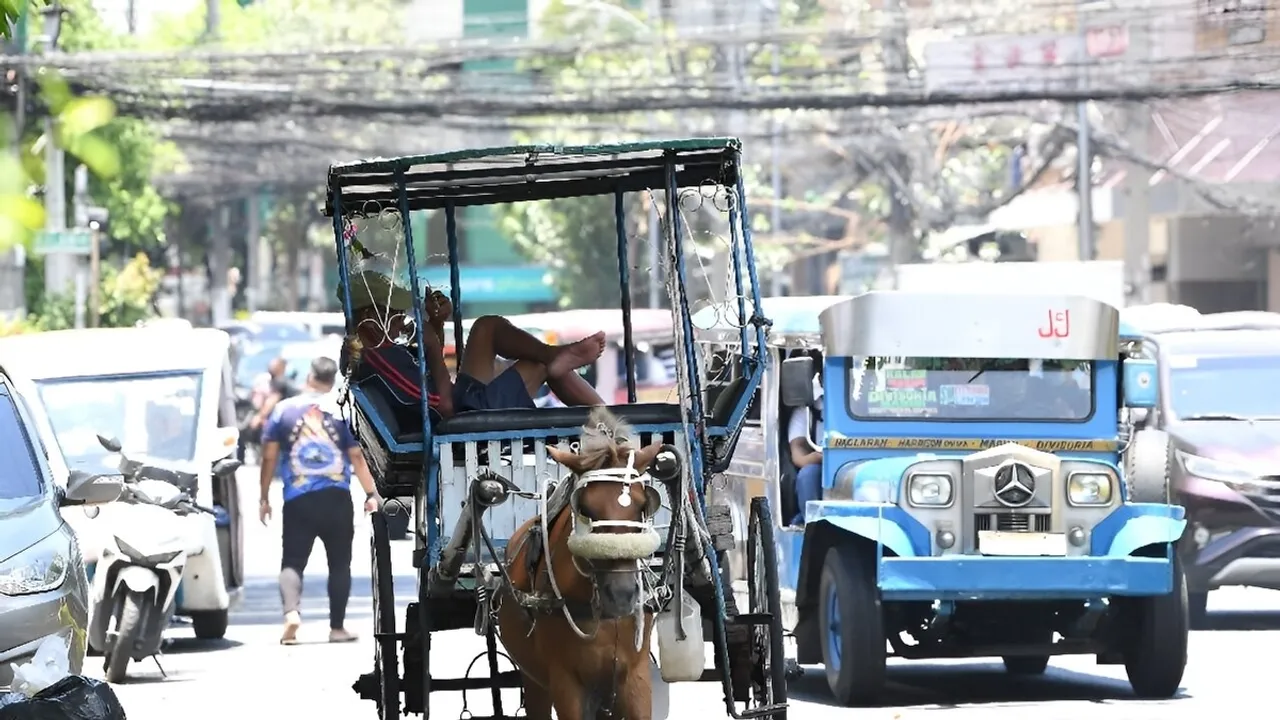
(538, 527)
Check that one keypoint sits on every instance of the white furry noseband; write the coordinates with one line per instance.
(641, 542)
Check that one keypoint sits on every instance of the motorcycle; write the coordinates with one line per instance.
(136, 582)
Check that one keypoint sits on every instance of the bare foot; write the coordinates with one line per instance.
(575, 355)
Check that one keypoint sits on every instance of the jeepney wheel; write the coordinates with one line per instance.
(764, 602)
(851, 625)
(1155, 652)
(385, 661)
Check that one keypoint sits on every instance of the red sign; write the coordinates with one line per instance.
(1106, 42)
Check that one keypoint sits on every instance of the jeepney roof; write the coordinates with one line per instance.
(573, 325)
(977, 325)
(794, 320)
(112, 351)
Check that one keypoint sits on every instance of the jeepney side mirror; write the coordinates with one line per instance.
(797, 382)
(1140, 384)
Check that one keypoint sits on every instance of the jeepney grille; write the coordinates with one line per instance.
(1010, 522)
(1266, 494)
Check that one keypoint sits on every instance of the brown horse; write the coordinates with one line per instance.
(588, 657)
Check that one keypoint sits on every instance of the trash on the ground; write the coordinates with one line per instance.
(74, 697)
(51, 663)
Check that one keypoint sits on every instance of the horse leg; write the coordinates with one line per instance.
(537, 701)
(568, 696)
(635, 693)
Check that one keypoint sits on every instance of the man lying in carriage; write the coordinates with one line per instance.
(539, 528)
(382, 350)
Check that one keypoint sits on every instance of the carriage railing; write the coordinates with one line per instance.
(524, 462)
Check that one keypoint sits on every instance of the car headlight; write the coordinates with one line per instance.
(40, 568)
(1087, 488)
(929, 490)
(1214, 469)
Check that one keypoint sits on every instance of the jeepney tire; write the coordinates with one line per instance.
(1026, 664)
(850, 614)
(1155, 655)
(1198, 610)
(1148, 461)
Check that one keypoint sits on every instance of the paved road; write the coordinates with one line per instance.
(249, 675)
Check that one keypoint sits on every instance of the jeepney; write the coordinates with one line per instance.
(983, 493)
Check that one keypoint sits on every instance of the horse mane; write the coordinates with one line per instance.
(605, 440)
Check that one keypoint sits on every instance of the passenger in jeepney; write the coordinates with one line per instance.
(385, 331)
(805, 433)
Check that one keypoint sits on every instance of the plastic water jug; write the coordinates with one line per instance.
(681, 660)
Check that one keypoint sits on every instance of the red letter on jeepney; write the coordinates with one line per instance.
(1059, 325)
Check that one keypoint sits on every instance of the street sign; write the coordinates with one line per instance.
(77, 241)
(1004, 63)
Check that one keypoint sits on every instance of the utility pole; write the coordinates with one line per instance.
(80, 205)
(1137, 203)
(1084, 147)
(902, 238)
(775, 150)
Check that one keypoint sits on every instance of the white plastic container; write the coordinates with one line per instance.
(681, 660)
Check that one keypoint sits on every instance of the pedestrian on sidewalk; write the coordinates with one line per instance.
(310, 448)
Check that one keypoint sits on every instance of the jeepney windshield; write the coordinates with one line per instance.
(982, 389)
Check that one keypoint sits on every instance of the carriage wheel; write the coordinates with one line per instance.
(769, 666)
(385, 659)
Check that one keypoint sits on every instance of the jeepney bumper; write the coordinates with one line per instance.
(1005, 578)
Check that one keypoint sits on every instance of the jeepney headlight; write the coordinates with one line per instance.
(929, 490)
(1089, 489)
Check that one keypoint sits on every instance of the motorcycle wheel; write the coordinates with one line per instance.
(128, 625)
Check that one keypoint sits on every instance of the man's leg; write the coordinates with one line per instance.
(573, 389)
(808, 487)
(493, 336)
(298, 537)
(337, 535)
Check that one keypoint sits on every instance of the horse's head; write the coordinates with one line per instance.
(613, 502)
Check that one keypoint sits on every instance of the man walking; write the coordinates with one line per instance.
(309, 447)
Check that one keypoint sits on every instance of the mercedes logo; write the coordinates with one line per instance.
(1015, 484)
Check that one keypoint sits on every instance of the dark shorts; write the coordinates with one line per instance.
(505, 392)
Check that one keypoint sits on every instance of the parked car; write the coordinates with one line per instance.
(43, 587)
(1217, 405)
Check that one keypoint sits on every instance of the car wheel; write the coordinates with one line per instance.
(1155, 652)
(851, 626)
(209, 624)
(1026, 664)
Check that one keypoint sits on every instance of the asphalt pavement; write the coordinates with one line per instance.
(249, 675)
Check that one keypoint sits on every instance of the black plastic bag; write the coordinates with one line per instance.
(72, 698)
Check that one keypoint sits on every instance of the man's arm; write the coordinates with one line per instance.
(270, 458)
(360, 469)
(268, 406)
(434, 350)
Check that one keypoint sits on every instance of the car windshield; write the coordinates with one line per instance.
(151, 415)
(20, 479)
(1223, 386)
(897, 388)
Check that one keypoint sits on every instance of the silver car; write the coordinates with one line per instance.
(43, 588)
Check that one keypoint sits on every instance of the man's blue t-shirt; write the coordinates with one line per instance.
(314, 444)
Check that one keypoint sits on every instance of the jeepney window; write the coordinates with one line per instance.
(977, 389)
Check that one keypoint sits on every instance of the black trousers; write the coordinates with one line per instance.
(327, 515)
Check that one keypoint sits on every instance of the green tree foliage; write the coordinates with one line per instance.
(125, 294)
(137, 209)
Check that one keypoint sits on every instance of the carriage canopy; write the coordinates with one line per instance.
(905, 324)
